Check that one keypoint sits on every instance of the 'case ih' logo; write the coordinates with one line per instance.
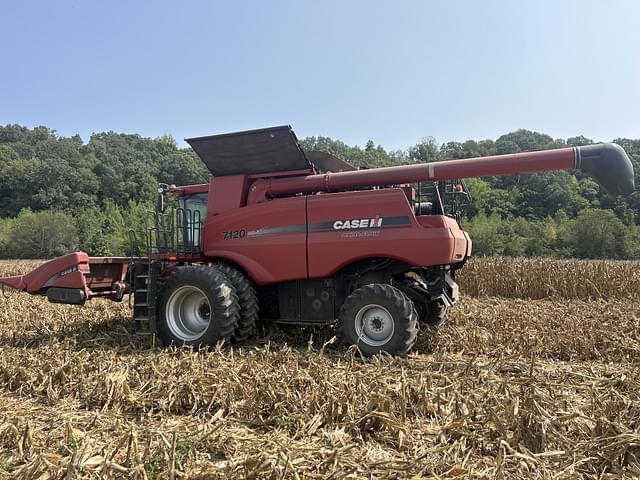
(357, 223)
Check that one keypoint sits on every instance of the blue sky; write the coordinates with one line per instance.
(392, 71)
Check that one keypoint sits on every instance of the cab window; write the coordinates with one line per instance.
(195, 212)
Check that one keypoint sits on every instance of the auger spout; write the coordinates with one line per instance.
(607, 163)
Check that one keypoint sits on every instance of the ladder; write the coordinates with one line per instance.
(146, 285)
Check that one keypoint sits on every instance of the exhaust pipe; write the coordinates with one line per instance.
(609, 164)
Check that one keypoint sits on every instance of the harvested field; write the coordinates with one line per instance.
(510, 388)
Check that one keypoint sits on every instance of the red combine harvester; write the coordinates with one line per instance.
(304, 238)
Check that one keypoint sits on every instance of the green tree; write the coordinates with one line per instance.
(91, 238)
(486, 233)
(632, 242)
(425, 151)
(370, 146)
(106, 183)
(598, 233)
(44, 234)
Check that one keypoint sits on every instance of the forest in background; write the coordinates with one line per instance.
(58, 194)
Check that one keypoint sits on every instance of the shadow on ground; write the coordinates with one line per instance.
(117, 334)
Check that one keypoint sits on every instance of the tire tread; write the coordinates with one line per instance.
(225, 308)
(404, 313)
(248, 301)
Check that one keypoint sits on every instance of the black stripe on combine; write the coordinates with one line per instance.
(261, 232)
(321, 226)
(396, 221)
(327, 226)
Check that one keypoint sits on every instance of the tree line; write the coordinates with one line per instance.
(59, 193)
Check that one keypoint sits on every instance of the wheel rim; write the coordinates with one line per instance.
(188, 313)
(374, 325)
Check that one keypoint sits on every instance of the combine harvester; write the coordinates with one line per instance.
(306, 239)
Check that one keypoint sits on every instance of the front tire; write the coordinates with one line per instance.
(199, 307)
(436, 314)
(379, 318)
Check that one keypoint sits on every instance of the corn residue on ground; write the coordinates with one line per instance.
(509, 388)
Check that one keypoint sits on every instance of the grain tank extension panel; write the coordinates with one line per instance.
(252, 152)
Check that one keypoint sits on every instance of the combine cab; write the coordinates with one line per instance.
(303, 238)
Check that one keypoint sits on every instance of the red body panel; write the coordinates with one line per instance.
(105, 271)
(437, 241)
(50, 274)
(295, 238)
(192, 189)
(96, 276)
(227, 193)
(268, 240)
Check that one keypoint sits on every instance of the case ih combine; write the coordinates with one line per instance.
(302, 238)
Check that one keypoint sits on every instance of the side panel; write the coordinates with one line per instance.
(227, 193)
(344, 227)
(268, 239)
(105, 271)
(309, 301)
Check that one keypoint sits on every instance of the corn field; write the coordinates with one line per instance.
(537, 278)
(535, 375)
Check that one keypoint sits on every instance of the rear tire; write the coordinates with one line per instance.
(379, 318)
(247, 299)
(199, 307)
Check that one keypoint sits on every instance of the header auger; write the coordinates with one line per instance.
(302, 237)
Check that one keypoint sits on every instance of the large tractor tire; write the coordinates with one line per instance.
(379, 318)
(436, 314)
(199, 307)
(247, 299)
(433, 314)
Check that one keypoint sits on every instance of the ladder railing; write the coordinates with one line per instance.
(176, 231)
